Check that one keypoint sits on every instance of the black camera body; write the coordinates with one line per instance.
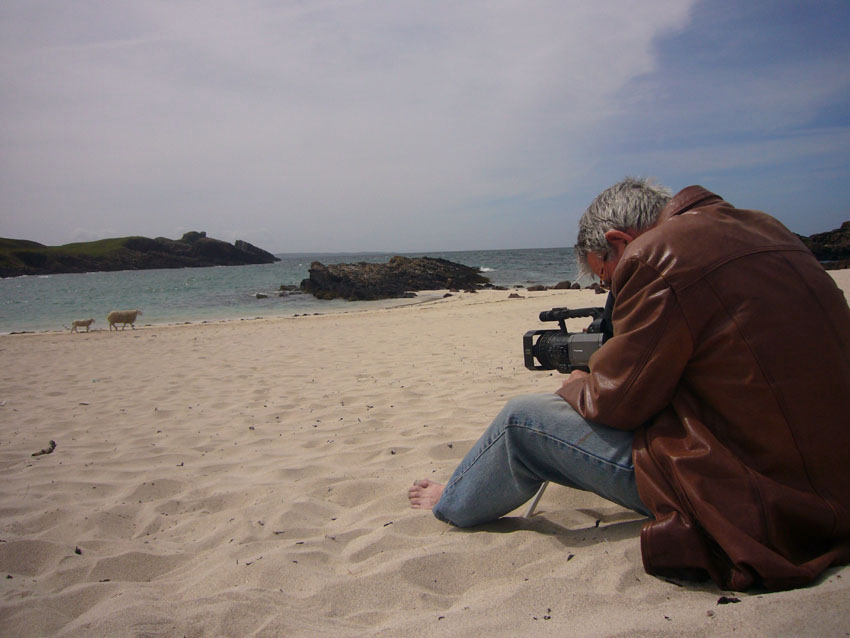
(567, 351)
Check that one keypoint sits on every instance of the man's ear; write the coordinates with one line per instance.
(619, 239)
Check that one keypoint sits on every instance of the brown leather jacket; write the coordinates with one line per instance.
(731, 361)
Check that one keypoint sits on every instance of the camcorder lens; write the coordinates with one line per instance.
(552, 349)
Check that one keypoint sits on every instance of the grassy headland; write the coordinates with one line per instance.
(194, 249)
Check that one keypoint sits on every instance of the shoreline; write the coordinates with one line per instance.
(423, 297)
(250, 477)
(196, 294)
(840, 276)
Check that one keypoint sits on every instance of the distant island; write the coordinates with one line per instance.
(193, 250)
(196, 250)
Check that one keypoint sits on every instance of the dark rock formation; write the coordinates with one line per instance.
(831, 248)
(364, 281)
(838, 264)
(194, 249)
(249, 249)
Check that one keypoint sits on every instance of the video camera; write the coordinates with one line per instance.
(567, 351)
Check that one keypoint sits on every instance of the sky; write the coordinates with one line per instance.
(411, 125)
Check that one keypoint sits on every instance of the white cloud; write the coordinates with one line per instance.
(342, 125)
(350, 112)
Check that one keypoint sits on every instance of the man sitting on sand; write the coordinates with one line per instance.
(720, 408)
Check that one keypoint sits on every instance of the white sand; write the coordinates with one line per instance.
(249, 478)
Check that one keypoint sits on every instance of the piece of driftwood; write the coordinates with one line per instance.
(48, 450)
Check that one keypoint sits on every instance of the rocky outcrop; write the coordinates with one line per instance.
(194, 249)
(249, 249)
(831, 248)
(200, 250)
(397, 278)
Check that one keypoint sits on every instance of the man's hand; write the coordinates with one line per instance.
(575, 375)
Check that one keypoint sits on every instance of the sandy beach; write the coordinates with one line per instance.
(249, 478)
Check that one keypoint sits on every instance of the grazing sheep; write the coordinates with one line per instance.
(123, 317)
(81, 323)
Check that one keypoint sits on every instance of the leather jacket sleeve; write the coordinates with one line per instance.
(634, 375)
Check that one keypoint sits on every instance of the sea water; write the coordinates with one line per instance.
(50, 302)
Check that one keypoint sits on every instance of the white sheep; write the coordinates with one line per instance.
(81, 323)
(123, 317)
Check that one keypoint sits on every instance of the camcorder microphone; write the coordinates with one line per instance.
(567, 351)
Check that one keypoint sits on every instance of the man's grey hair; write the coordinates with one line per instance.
(630, 205)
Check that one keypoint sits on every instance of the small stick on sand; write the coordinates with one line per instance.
(48, 450)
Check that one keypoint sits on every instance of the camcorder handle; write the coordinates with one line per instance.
(601, 317)
(562, 314)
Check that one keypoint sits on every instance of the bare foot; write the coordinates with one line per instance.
(424, 494)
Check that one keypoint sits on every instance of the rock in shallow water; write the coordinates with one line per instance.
(364, 282)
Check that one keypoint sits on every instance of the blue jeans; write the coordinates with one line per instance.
(538, 438)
